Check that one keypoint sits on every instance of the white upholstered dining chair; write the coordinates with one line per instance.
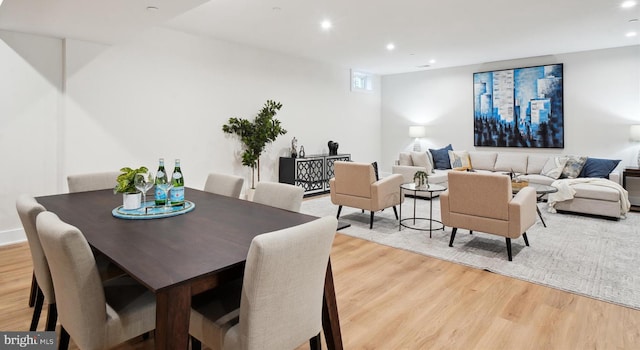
(279, 303)
(279, 195)
(95, 315)
(28, 209)
(92, 181)
(224, 184)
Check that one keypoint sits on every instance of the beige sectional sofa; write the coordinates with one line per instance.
(588, 199)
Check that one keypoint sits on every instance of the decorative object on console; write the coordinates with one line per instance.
(294, 147)
(635, 136)
(441, 157)
(520, 107)
(333, 148)
(255, 135)
(416, 132)
(301, 154)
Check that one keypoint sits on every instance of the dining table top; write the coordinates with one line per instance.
(162, 252)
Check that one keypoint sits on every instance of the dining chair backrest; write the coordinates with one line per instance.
(92, 181)
(76, 281)
(283, 196)
(283, 285)
(224, 184)
(28, 209)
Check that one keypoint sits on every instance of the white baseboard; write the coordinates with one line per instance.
(12, 237)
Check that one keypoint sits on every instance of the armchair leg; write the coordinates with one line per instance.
(453, 235)
(315, 343)
(526, 240)
(508, 247)
(371, 221)
(395, 211)
(339, 210)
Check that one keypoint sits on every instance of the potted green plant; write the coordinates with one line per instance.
(256, 134)
(421, 178)
(125, 184)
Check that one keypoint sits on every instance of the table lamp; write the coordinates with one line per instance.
(419, 131)
(635, 136)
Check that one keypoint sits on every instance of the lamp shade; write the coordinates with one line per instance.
(420, 131)
(635, 132)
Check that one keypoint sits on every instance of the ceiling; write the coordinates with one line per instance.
(451, 32)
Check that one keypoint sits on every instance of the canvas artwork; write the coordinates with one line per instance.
(519, 107)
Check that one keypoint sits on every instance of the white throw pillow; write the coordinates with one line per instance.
(405, 159)
(422, 160)
(554, 166)
(459, 160)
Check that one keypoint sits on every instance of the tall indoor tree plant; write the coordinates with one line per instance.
(256, 134)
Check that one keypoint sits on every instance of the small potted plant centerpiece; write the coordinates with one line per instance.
(421, 179)
(131, 197)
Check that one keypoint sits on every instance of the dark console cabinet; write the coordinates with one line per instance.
(311, 173)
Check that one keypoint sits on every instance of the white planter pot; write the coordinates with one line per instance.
(131, 201)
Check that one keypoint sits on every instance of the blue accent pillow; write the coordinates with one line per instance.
(596, 167)
(441, 157)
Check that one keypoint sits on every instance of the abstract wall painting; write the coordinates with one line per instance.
(520, 107)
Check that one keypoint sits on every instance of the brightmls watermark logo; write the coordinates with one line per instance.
(28, 340)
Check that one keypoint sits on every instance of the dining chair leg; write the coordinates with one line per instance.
(37, 309)
(315, 343)
(339, 210)
(52, 317)
(34, 290)
(395, 211)
(526, 240)
(509, 247)
(64, 339)
(453, 235)
(195, 344)
(371, 221)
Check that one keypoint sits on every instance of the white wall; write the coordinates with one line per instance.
(167, 94)
(30, 84)
(601, 101)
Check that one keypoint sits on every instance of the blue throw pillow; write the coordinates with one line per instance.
(441, 157)
(596, 167)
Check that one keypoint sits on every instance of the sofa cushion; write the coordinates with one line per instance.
(573, 167)
(483, 160)
(459, 160)
(554, 166)
(405, 159)
(441, 157)
(536, 163)
(537, 179)
(588, 191)
(422, 160)
(516, 162)
(596, 167)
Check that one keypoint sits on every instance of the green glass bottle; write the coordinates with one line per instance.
(161, 181)
(177, 192)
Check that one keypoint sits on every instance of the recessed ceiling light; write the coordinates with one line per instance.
(432, 61)
(390, 46)
(152, 8)
(628, 4)
(631, 34)
(424, 66)
(326, 24)
(276, 8)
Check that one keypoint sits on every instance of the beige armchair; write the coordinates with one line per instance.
(485, 203)
(355, 185)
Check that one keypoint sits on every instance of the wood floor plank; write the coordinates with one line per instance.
(393, 299)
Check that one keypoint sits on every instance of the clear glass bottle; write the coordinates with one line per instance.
(161, 179)
(177, 180)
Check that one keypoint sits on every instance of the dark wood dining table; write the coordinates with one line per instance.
(181, 256)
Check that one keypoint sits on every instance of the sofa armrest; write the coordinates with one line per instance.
(407, 171)
(386, 192)
(522, 211)
(615, 177)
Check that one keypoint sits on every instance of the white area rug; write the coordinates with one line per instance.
(590, 256)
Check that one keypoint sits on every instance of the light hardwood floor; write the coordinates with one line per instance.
(393, 299)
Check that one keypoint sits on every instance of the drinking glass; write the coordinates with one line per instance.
(166, 188)
(143, 182)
